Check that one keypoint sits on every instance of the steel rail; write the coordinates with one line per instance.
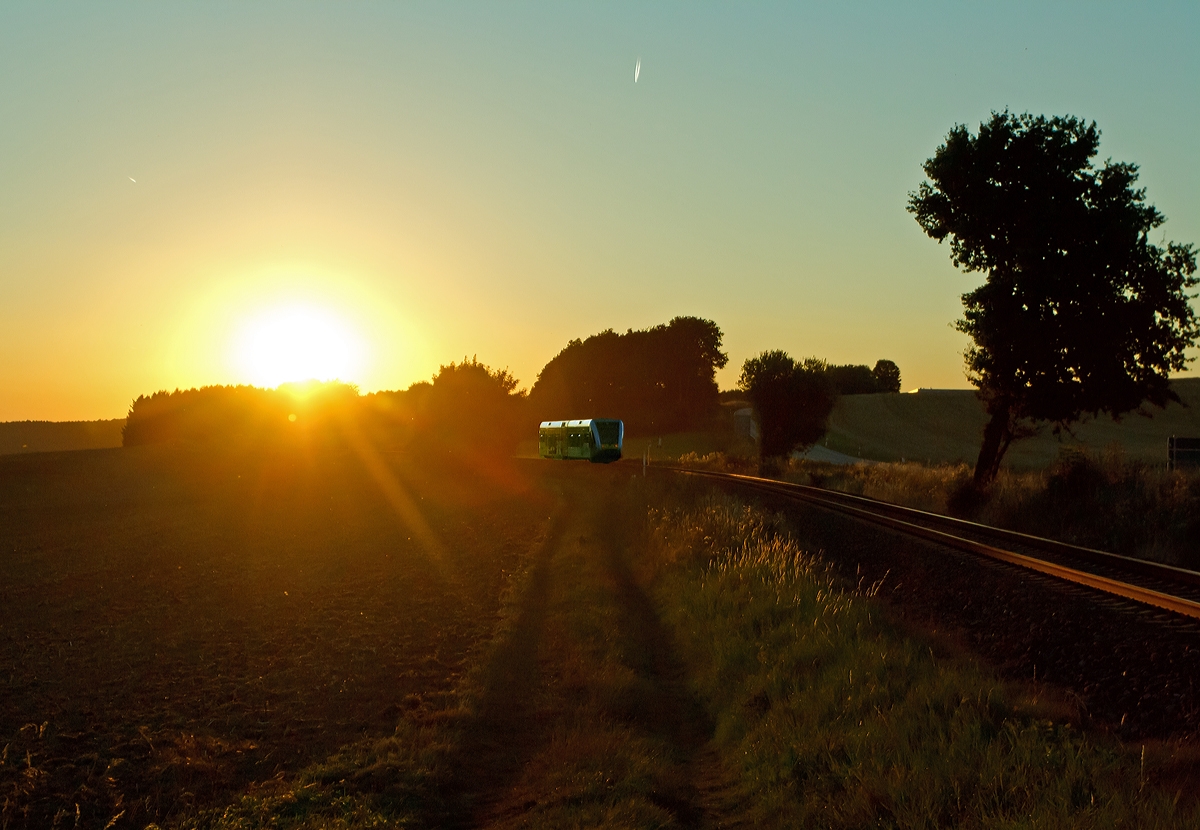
(889, 515)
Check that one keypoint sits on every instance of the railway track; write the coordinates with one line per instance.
(1170, 589)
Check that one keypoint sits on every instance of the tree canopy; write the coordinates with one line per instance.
(657, 380)
(886, 375)
(793, 400)
(851, 379)
(859, 379)
(471, 408)
(1080, 313)
(295, 411)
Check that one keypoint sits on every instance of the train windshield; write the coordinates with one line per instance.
(610, 431)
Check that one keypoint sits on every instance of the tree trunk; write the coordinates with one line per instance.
(997, 435)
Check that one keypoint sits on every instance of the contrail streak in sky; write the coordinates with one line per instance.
(637, 70)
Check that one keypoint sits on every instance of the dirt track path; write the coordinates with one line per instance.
(586, 716)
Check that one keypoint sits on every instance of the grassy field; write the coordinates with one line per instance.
(1105, 501)
(211, 641)
(946, 426)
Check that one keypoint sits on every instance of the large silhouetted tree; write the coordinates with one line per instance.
(658, 379)
(793, 400)
(1080, 313)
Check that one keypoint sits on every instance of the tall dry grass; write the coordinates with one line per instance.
(1100, 500)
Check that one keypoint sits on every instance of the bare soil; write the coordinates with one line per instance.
(177, 623)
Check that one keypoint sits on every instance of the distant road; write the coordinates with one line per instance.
(50, 436)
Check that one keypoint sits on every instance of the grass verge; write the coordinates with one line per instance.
(834, 720)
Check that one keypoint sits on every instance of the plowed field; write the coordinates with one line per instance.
(176, 624)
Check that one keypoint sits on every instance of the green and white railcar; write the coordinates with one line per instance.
(596, 439)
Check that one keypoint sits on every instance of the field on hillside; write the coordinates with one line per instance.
(52, 436)
(176, 624)
(946, 426)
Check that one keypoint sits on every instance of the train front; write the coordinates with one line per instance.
(608, 436)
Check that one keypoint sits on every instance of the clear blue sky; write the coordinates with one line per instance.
(487, 179)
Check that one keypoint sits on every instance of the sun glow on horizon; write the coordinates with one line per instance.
(292, 343)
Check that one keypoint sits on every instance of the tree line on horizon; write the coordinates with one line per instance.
(658, 380)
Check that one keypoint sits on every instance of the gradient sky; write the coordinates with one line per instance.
(487, 179)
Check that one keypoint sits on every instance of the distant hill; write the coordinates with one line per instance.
(946, 425)
(45, 436)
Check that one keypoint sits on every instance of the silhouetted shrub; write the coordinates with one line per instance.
(966, 500)
(471, 408)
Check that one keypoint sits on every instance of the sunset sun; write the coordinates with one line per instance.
(299, 342)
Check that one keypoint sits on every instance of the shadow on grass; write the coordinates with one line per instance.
(664, 704)
(505, 730)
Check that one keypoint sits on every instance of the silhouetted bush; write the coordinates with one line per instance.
(966, 499)
(471, 408)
